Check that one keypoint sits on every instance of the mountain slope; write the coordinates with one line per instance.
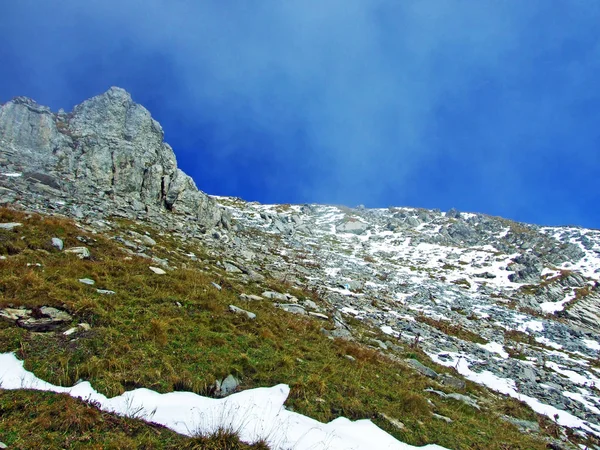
(508, 305)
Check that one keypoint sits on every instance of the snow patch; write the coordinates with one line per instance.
(255, 414)
(494, 347)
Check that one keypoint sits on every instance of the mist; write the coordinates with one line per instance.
(485, 106)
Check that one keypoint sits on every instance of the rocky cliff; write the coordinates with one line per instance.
(108, 154)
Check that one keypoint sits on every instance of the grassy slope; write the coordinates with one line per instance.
(140, 337)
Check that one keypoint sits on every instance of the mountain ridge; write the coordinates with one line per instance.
(518, 302)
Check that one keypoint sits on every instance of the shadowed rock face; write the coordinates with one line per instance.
(107, 147)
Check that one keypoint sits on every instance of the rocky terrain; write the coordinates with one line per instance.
(518, 303)
(511, 306)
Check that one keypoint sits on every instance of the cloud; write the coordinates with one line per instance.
(347, 101)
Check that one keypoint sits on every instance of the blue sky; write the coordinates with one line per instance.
(483, 105)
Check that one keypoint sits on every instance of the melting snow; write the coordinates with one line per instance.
(594, 345)
(494, 347)
(389, 330)
(507, 386)
(552, 307)
(255, 414)
(332, 271)
(533, 325)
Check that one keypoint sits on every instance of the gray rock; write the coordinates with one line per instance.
(318, 315)
(14, 314)
(440, 417)
(9, 225)
(527, 269)
(424, 370)
(229, 267)
(44, 319)
(157, 270)
(291, 308)
(352, 285)
(352, 226)
(107, 145)
(341, 333)
(216, 286)
(228, 386)
(105, 292)
(453, 214)
(236, 310)
(524, 425)
(395, 422)
(3, 445)
(310, 304)
(459, 397)
(528, 374)
(452, 382)
(463, 398)
(274, 296)
(250, 297)
(380, 344)
(81, 252)
(87, 281)
(486, 275)
(58, 243)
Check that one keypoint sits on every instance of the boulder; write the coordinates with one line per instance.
(228, 386)
(424, 370)
(250, 297)
(10, 225)
(352, 226)
(229, 267)
(452, 382)
(243, 312)
(81, 252)
(57, 243)
(274, 296)
(291, 308)
(44, 319)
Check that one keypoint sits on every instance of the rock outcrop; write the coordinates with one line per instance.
(108, 149)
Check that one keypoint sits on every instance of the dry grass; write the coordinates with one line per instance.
(174, 332)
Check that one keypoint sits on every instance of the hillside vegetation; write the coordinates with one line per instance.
(175, 332)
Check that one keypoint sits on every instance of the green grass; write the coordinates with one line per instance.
(38, 420)
(140, 337)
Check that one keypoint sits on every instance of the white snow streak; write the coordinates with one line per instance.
(255, 414)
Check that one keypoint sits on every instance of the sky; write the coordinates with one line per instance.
(488, 106)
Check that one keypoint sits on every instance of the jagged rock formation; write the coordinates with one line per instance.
(108, 152)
